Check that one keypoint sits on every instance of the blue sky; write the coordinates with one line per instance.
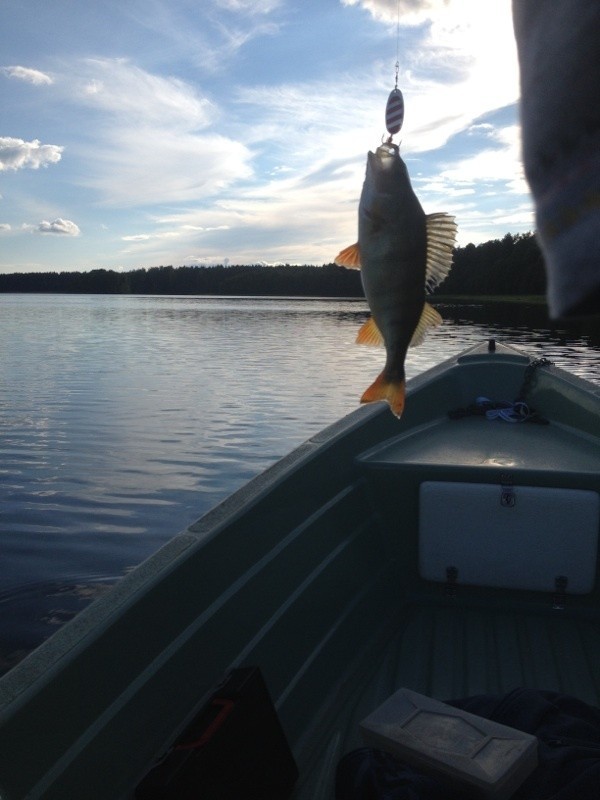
(135, 133)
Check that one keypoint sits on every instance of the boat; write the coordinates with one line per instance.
(452, 552)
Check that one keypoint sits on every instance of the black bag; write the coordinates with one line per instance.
(368, 774)
(234, 748)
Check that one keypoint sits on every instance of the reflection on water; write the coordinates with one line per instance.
(123, 419)
(573, 345)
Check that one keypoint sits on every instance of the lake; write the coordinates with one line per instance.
(123, 419)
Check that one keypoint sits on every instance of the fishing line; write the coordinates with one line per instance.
(394, 110)
(397, 43)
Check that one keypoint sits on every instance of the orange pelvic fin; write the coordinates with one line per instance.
(349, 257)
(370, 334)
(385, 389)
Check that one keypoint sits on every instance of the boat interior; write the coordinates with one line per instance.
(448, 500)
(452, 555)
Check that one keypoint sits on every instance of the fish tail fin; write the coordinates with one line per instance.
(385, 389)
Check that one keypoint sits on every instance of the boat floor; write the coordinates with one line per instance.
(448, 652)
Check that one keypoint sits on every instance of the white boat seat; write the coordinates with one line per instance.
(521, 537)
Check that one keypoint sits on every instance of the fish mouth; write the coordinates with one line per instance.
(388, 150)
(384, 156)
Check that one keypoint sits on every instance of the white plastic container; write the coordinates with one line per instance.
(482, 758)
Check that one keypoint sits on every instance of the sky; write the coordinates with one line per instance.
(139, 133)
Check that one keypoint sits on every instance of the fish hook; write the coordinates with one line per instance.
(389, 140)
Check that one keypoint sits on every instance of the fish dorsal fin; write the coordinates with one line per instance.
(441, 238)
(429, 319)
(349, 257)
(369, 333)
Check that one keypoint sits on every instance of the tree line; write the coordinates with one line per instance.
(509, 266)
(512, 265)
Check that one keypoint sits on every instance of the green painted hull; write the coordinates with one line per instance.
(311, 572)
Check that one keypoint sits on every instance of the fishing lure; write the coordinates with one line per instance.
(394, 111)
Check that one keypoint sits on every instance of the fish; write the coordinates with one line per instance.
(402, 254)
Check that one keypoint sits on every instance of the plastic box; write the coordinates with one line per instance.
(482, 758)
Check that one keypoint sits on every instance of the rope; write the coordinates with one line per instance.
(504, 410)
(508, 412)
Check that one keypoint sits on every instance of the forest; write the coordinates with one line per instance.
(512, 265)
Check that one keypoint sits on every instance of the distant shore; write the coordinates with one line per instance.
(500, 269)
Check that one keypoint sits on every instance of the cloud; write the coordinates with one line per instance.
(18, 154)
(234, 38)
(308, 213)
(206, 261)
(181, 236)
(208, 229)
(152, 138)
(497, 163)
(460, 66)
(466, 42)
(133, 95)
(211, 47)
(64, 227)
(482, 128)
(248, 6)
(469, 186)
(145, 166)
(410, 11)
(285, 222)
(4, 227)
(27, 74)
(478, 222)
